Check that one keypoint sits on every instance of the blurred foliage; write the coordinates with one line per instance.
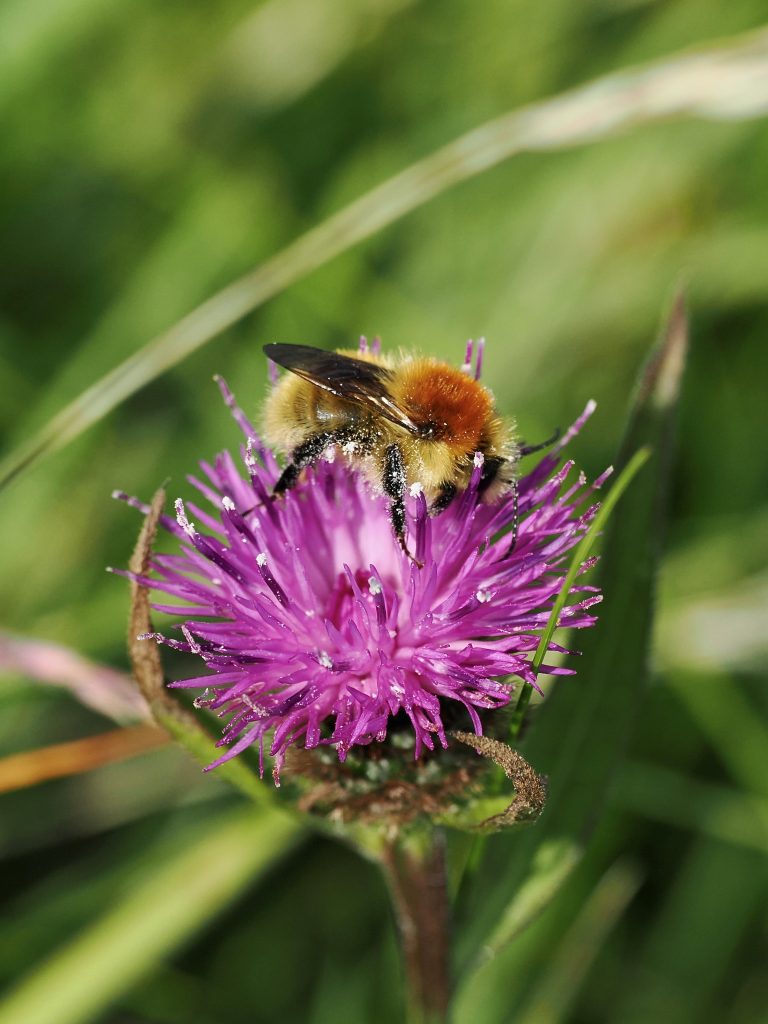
(152, 153)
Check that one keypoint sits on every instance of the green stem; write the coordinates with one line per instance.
(518, 715)
(416, 876)
(583, 549)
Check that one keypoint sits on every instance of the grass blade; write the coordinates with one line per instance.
(580, 555)
(552, 999)
(724, 82)
(165, 909)
(59, 760)
(582, 733)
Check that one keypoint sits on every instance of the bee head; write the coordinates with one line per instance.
(430, 430)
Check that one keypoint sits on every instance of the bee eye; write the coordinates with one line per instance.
(428, 430)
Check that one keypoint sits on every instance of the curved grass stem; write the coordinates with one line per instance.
(727, 81)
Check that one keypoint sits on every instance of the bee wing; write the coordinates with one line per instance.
(354, 380)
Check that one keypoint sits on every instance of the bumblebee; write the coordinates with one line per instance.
(411, 423)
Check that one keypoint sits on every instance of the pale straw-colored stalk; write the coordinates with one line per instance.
(724, 82)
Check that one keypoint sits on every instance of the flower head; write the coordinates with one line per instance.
(315, 628)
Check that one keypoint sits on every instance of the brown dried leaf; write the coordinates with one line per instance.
(181, 724)
(144, 654)
(530, 787)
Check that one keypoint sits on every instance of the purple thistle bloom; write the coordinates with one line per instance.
(315, 627)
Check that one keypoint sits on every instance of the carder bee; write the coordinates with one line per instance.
(411, 423)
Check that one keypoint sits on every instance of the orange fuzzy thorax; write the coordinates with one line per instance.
(457, 406)
(452, 414)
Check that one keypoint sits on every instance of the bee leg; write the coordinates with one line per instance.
(445, 495)
(304, 455)
(491, 468)
(529, 449)
(394, 488)
(515, 519)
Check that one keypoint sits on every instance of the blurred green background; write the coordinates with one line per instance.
(153, 152)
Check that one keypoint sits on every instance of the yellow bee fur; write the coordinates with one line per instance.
(455, 415)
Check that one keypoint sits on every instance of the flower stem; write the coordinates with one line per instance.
(416, 875)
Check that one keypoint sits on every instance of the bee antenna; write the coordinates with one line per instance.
(252, 508)
(529, 449)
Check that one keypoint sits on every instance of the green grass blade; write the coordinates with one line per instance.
(581, 734)
(164, 909)
(552, 999)
(725, 82)
(551, 866)
(688, 951)
(711, 809)
(582, 552)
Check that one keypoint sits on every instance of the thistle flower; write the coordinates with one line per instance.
(313, 626)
